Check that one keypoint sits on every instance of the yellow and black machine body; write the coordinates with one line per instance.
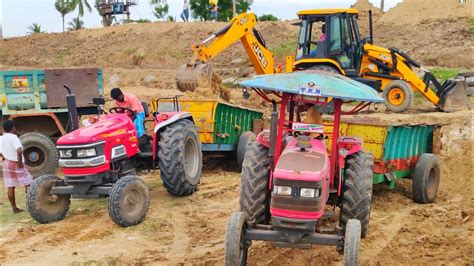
(329, 40)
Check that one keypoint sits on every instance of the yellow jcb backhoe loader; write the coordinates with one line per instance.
(329, 40)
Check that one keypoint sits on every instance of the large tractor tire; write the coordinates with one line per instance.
(180, 158)
(426, 178)
(129, 200)
(254, 193)
(357, 190)
(236, 249)
(44, 207)
(329, 108)
(244, 140)
(352, 242)
(398, 96)
(41, 155)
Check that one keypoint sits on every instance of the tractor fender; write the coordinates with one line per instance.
(173, 118)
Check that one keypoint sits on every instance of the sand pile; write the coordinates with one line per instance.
(364, 6)
(416, 11)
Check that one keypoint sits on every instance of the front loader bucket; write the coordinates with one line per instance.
(453, 97)
(189, 77)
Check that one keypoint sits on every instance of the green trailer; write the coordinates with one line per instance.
(35, 100)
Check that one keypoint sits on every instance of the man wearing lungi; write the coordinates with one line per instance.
(14, 171)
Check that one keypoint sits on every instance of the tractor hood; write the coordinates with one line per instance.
(109, 125)
(315, 83)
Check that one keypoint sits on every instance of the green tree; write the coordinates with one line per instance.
(160, 8)
(63, 7)
(35, 28)
(80, 4)
(200, 8)
(267, 17)
(75, 24)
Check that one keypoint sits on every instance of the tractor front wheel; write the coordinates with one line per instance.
(129, 200)
(352, 242)
(398, 96)
(180, 158)
(426, 178)
(43, 206)
(254, 193)
(236, 247)
(357, 190)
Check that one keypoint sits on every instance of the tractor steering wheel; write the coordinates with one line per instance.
(122, 110)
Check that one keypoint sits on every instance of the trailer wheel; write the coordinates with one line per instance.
(254, 194)
(44, 207)
(398, 96)
(180, 158)
(41, 155)
(357, 190)
(426, 178)
(244, 140)
(352, 242)
(236, 247)
(129, 200)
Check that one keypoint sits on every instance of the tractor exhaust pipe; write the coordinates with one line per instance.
(72, 109)
(371, 28)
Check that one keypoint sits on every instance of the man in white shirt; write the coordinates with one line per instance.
(14, 172)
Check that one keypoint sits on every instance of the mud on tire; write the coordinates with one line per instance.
(426, 178)
(254, 194)
(129, 200)
(357, 190)
(352, 242)
(44, 207)
(41, 155)
(393, 103)
(180, 158)
(235, 250)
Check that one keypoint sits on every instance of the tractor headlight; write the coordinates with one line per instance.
(65, 153)
(86, 152)
(309, 193)
(282, 190)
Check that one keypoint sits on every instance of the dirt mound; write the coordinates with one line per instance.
(364, 6)
(416, 11)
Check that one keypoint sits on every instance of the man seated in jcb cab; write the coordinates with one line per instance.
(131, 101)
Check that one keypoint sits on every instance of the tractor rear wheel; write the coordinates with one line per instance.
(254, 193)
(180, 158)
(41, 155)
(129, 200)
(244, 140)
(236, 248)
(398, 96)
(352, 242)
(426, 178)
(44, 207)
(357, 190)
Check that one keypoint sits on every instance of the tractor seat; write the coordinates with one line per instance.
(145, 109)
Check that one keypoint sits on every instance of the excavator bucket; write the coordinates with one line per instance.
(453, 97)
(191, 76)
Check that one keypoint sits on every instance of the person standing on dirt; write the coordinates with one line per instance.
(131, 101)
(213, 13)
(185, 13)
(14, 171)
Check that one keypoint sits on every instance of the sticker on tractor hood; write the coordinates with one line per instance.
(310, 89)
(303, 127)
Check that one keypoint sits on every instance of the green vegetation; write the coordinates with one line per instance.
(443, 74)
(75, 24)
(35, 28)
(267, 17)
(63, 7)
(471, 26)
(160, 8)
(284, 49)
(80, 4)
(142, 20)
(200, 9)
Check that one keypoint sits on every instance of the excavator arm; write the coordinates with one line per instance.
(242, 28)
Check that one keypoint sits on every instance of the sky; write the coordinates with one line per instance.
(17, 15)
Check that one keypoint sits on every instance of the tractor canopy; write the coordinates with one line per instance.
(315, 83)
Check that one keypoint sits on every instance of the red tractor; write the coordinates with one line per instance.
(291, 181)
(100, 160)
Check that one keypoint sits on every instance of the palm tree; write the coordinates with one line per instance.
(80, 5)
(34, 28)
(75, 24)
(63, 7)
